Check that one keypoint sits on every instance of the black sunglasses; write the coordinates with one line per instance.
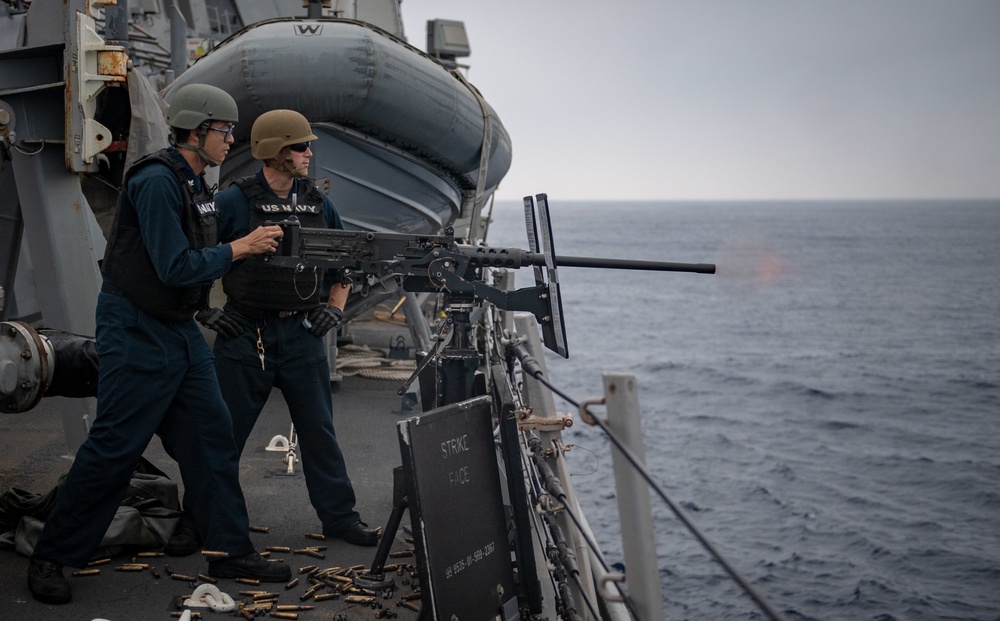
(299, 147)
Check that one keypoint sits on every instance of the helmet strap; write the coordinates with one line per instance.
(200, 149)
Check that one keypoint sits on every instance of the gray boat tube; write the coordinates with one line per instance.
(355, 75)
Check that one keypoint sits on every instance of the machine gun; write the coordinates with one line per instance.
(439, 263)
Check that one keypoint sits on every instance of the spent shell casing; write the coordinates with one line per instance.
(308, 569)
(155, 572)
(292, 607)
(251, 593)
(316, 536)
(409, 597)
(99, 561)
(401, 553)
(150, 554)
(285, 615)
(264, 597)
(278, 549)
(322, 597)
(246, 614)
(181, 577)
(291, 585)
(206, 578)
(265, 554)
(312, 553)
(312, 591)
(131, 567)
(214, 554)
(259, 529)
(411, 606)
(359, 599)
(252, 581)
(87, 572)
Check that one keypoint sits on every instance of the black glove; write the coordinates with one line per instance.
(321, 320)
(227, 325)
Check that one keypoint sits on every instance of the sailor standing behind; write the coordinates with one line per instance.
(156, 369)
(271, 330)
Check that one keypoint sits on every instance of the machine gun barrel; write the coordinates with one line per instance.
(513, 257)
(634, 264)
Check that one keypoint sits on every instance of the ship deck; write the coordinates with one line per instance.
(32, 456)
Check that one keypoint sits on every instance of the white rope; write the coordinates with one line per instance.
(209, 596)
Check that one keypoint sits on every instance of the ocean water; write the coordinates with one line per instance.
(826, 407)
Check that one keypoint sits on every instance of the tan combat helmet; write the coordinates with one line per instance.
(274, 130)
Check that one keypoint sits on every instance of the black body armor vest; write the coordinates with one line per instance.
(127, 261)
(257, 286)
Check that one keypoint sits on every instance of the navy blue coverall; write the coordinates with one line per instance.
(154, 375)
(295, 362)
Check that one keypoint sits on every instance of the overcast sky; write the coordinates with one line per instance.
(738, 99)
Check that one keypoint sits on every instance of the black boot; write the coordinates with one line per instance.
(47, 583)
(357, 533)
(251, 565)
(184, 542)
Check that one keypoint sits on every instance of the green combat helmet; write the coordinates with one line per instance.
(195, 106)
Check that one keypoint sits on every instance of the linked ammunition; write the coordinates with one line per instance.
(205, 578)
(258, 529)
(98, 561)
(87, 572)
(316, 536)
(278, 549)
(252, 581)
(214, 554)
(291, 585)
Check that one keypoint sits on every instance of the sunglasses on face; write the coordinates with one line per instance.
(299, 147)
(227, 132)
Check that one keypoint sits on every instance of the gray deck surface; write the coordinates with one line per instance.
(32, 456)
